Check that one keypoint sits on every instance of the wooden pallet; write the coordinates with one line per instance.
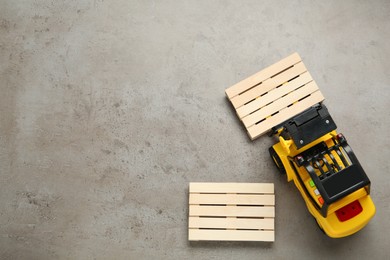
(231, 212)
(273, 95)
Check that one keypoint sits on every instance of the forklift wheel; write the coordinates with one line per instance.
(275, 157)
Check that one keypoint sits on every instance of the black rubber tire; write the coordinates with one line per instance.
(276, 159)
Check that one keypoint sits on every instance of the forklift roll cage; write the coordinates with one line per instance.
(332, 179)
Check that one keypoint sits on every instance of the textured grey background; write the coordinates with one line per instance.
(110, 108)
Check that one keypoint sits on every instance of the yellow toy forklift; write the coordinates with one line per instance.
(283, 100)
(325, 170)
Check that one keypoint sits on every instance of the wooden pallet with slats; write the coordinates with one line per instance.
(231, 212)
(273, 95)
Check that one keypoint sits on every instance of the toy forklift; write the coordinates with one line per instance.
(325, 170)
(284, 101)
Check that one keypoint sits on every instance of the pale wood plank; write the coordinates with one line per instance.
(274, 95)
(287, 113)
(203, 224)
(244, 223)
(232, 211)
(268, 85)
(256, 96)
(231, 235)
(237, 199)
(262, 75)
(250, 188)
(279, 104)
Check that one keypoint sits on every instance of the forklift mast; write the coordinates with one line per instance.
(307, 126)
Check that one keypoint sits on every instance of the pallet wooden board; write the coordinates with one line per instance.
(273, 95)
(231, 212)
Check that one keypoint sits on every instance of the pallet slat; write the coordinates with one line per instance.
(231, 211)
(274, 95)
(257, 130)
(236, 223)
(268, 85)
(243, 188)
(265, 99)
(262, 75)
(238, 199)
(231, 235)
(279, 104)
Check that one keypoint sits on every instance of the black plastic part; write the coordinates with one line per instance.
(299, 160)
(303, 185)
(310, 125)
(307, 126)
(341, 138)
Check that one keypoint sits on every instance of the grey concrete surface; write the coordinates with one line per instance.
(110, 108)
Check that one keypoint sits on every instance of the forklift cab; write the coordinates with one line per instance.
(334, 179)
(325, 170)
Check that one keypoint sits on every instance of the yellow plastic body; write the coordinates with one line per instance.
(331, 224)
